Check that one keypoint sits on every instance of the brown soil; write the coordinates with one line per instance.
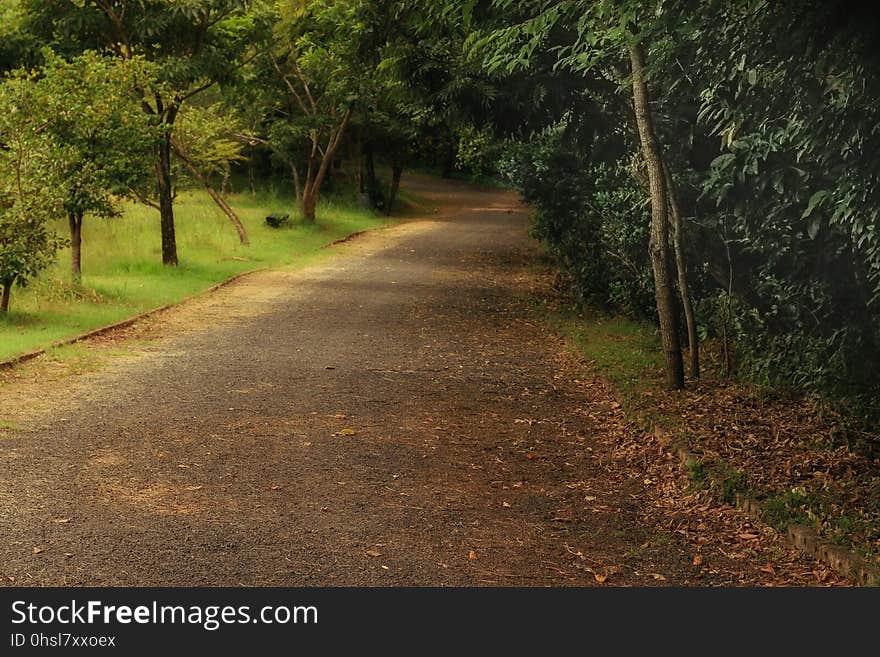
(397, 415)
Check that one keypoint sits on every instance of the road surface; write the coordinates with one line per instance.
(397, 414)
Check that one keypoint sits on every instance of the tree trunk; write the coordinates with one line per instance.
(354, 151)
(297, 186)
(312, 186)
(309, 203)
(681, 265)
(396, 174)
(4, 299)
(75, 220)
(372, 185)
(250, 171)
(165, 192)
(216, 197)
(230, 213)
(659, 245)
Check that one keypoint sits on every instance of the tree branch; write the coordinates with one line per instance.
(289, 84)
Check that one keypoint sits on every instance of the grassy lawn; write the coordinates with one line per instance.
(623, 350)
(123, 274)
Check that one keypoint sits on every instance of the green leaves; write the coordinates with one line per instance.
(816, 200)
(29, 195)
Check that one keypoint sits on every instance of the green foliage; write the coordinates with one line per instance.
(593, 217)
(121, 275)
(102, 139)
(29, 196)
(772, 143)
(210, 138)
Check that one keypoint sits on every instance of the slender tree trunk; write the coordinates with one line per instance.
(309, 200)
(728, 356)
(659, 247)
(75, 220)
(4, 299)
(372, 185)
(165, 192)
(354, 152)
(396, 174)
(216, 197)
(250, 170)
(681, 265)
(297, 186)
(312, 186)
(230, 213)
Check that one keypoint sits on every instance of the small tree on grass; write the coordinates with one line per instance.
(28, 193)
(102, 140)
(313, 59)
(207, 142)
(194, 44)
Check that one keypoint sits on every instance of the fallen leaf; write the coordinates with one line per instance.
(194, 488)
(601, 577)
(530, 456)
(276, 487)
(373, 553)
(505, 505)
(37, 550)
(472, 556)
(340, 416)
(769, 570)
(658, 577)
(590, 498)
(184, 466)
(385, 568)
(62, 521)
(348, 432)
(698, 560)
(748, 537)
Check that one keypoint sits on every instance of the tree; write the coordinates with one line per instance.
(17, 47)
(312, 57)
(28, 195)
(207, 141)
(193, 44)
(598, 35)
(101, 138)
(661, 200)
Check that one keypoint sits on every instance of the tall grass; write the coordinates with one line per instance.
(122, 263)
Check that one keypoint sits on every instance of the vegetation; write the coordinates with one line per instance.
(122, 273)
(673, 172)
(676, 126)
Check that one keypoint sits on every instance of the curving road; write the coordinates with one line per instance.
(396, 414)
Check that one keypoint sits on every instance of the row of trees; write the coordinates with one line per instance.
(130, 99)
(712, 165)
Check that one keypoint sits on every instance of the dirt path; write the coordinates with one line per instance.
(397, 415)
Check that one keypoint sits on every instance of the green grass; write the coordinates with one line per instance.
(123, 274)
(622, 349)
